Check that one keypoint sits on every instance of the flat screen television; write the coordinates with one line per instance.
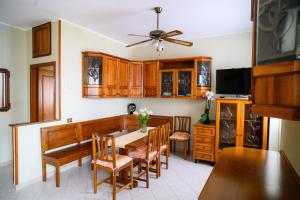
(234, 81)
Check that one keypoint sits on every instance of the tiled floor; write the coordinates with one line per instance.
(184, 180)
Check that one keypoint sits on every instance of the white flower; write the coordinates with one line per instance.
(209, 95)
(136, 113)
(143, 114)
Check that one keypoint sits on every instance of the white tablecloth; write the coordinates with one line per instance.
(122, 141)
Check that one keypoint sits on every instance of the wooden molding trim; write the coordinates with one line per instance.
(290, 167)
(277, 68)
(288, 113)
(15, 152)
(59, 69)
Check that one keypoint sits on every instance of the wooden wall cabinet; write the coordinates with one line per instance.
(276, 85)
(110, 76)
(237, 126)
(204, 142)
(92, 75)
(123, 78)
(151, 79)
(41, 40)
(136, 79)
(202, 76)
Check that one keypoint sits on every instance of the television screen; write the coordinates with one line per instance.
(234, 81)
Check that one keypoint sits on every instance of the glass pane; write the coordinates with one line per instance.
(253, 128)
(167, 83)
(278, 30)
(228, 123)
(184, 83)
(93, 70)
(203, 74)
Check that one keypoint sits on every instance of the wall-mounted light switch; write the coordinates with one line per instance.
(69, 120)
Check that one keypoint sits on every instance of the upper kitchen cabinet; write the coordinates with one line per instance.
(41, 40)
(276, 54)
(110, 76)
(135, 79)
(92, 74)
(123, 78)
(151, 79)
(203, 76)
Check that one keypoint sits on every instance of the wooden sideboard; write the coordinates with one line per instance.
(237, 126)
(108, 76)
(244, 173)
(204, 142)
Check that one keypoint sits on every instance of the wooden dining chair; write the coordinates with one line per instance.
(165, 143)
(105, 158)
(182, 129)
(148, 155)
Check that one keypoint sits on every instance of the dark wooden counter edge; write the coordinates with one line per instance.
(290, 167)
(286, 161)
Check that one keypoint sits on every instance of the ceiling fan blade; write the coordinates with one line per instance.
(171, 33)
(181, 42)
(139, 35)
(130, 45)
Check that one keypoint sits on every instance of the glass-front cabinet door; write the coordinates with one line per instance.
(203, 76)
(227, 124)
(252, 129)
(167, 83)
(184, 79)
(92, 77)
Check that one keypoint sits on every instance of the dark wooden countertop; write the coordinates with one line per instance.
(243, 173)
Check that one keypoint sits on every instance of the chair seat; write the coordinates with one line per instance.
(138, 154)
(121, 160)
(181, 136)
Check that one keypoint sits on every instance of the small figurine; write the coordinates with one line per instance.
(131, 108)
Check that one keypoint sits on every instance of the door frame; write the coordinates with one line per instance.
(34, 67)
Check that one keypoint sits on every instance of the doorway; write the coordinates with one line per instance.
(42, 92)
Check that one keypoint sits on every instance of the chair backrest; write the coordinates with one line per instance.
(101, 143)
(165, 134)
(153, 143)
(182, 124)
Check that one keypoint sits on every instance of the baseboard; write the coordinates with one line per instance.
(6, 163)
(52, 173)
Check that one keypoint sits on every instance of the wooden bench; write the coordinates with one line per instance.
(64, 144)
(61, 136)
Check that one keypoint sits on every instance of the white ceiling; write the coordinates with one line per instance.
(117, 18)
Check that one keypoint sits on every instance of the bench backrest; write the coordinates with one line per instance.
(101, 126)
(58, 136)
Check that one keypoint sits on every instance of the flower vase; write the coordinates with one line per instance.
(143, 127)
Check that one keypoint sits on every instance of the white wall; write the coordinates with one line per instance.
(74, 40)
(290, 139)
(13, 57)
(229, 51)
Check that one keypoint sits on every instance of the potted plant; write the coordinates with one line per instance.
(143, 117)
(205, 116)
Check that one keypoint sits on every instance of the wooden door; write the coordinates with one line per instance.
(184, 83)
(136, 79)
(253, 128)
(42, 92)
(110, 76)
(227, 124)
(123, 78)
(46, 93)
(151, 79)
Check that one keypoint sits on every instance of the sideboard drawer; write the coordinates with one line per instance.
(204, 156)
(204, 131)
(204, 148)
(204, 140)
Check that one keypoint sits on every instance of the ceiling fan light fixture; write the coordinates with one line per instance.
(158, 44)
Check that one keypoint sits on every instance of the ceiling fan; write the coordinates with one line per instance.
(158, 36)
